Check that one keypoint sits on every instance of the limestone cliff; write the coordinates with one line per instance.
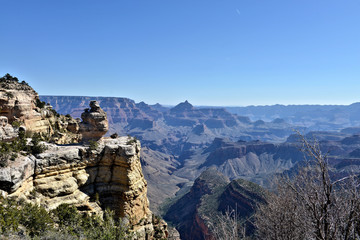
(108, 176)
(104, 173)
(20, 104)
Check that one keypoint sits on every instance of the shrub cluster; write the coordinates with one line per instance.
(65, 222)
(40, 104)
(93, 145)
(131, 140)
(8, 82)
(10, 150)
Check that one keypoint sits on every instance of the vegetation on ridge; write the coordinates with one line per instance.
(9, 82)
(10, 150)
(65, 222)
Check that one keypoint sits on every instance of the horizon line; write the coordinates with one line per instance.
(203, 106)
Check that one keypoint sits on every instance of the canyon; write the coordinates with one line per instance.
(181, 142)
(202, 159)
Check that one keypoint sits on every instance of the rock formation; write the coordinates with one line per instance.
(184, 213)
(94, 124)
(106, 173)
(106, 176)
(20, 104)
(7, 132)
(212, 194)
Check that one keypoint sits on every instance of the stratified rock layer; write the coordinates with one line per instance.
(20, 106)
(18, 103)
(95, 123)
(109, 176)
(212, 194)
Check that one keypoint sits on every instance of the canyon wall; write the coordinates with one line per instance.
(94, 175)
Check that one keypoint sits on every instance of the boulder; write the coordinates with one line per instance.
(16, 173)
(7, 132)
(94, 123)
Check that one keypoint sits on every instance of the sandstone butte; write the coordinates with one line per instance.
(106, 175)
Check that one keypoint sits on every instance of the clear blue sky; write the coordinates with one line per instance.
(210, 52)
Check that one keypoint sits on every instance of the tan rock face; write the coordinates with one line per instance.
(95, 123)
(76, 175)
(109, 176)
(117, 178)
(20, 104)
(7, 132)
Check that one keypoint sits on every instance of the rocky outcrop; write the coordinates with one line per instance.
(17, 174)
(212, 194)
(184, 213)
(7, 132)
(20, 104)
(243, 196)
(94, 124)
(92, 178)
(106, 173)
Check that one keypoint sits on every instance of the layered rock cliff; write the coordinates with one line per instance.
(21, 106)
(184, 213)
(92, 179)
(102, 173)
(212, 195)
(18, 102)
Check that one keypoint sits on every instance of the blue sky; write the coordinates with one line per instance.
(210, 52)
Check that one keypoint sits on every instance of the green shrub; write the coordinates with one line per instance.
(9, 95)
(3, 161)
(8, 150)
(107, 229)
(65, 222)
(36, 146)
(131, 140)
(36, 219)
(114, 135)
(40, 104)
(8, 77)
(16, 124)
(53, 234)
(24, 83)
(55, 113)
(68, 219)
(93, 145)
(9, 216)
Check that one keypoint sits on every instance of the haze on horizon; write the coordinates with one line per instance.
(210, 52)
